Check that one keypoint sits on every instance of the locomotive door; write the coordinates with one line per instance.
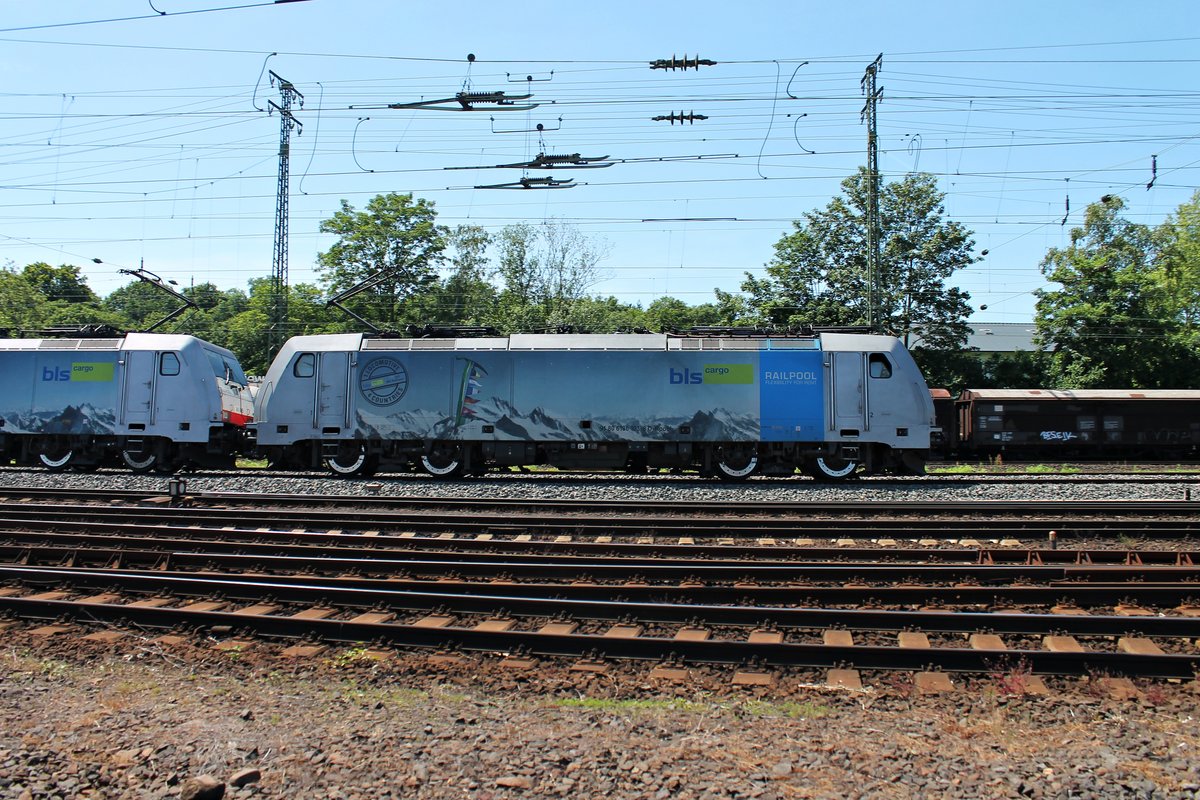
(848, 392)
(332, 397)
(137, 389)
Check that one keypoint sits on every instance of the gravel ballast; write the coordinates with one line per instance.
(617, 487)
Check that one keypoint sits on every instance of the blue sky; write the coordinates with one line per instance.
(141, 140)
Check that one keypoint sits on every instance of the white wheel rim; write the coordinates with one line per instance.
(739, 473)
(354, 466)
(133, 462)
(836, 473)
(450, 467)
(57, 462)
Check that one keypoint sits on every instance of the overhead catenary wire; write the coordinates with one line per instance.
(158, 15)
(597, 109)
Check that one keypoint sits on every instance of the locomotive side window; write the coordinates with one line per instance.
(879, 366)
(168, 364)
(305, 366)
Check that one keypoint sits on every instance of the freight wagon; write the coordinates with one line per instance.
(1081, 423)
(828, 404)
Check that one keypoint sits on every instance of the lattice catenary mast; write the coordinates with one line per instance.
(279, 263)
(873, 227)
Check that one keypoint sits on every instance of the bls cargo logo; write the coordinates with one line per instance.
(714, 373)
(80, 371)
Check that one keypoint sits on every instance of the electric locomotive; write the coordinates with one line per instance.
(149, 401)
(829, 404)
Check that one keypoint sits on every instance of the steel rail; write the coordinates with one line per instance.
(723, 527)
(566, 567)
(1080, 594)
(165, 537)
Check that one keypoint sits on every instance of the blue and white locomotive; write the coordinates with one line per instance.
(829, 404)
(150, 401)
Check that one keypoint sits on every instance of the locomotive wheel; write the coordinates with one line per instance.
(443, 461)
(139, 460)
(831, 468)
(351, 462)
(736, 463)
(57, 459)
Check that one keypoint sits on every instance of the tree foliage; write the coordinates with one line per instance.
(1178, 269)
(670, 313)
(819, 273)
(21, 304)
(64, 283)
(140, 304)
(396, 239)
(465, 296)
(546, 269)
(1111, 325)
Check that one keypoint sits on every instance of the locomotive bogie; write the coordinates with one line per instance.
(832, 404)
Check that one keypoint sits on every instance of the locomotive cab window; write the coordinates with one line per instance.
(168, 364)
(226, 368)
(305, 366)
(879, 366)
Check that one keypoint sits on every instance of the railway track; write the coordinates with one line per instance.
(599, 629)
(507, 516)
(710, 586)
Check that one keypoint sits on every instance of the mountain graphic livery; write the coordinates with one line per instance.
(81, 419)
(714, 425)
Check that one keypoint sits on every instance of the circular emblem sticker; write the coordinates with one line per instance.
(383, 381)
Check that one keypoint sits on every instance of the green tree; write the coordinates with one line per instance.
(250, 340)
(670, 313)
(819, 273)
(1178, 270)
(206, 296)
(736, 310)
(141, 304)
(22, 306)
(1108, 327)
(465, 296)
(63, 282)
(550, 266)
(247, 332)
(74, 315)
(602, 315)
(395, 237)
